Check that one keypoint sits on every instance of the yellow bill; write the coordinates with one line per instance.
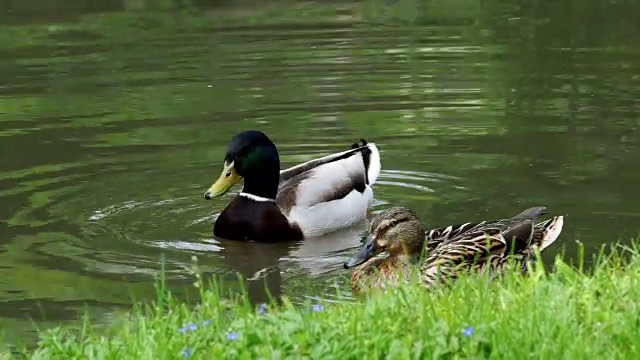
(227, 179)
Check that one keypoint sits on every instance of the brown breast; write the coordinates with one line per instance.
(246, 219)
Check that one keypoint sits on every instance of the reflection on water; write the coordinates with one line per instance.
(115, 123)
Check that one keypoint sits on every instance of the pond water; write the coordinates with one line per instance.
(113, 124)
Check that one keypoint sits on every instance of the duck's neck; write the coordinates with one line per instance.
(408, 258)
(264, 185)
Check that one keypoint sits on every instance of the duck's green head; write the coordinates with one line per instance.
(250, 154)
(397, 231)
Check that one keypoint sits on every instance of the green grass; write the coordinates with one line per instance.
(560, 314)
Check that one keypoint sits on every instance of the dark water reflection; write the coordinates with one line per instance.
(113, 124)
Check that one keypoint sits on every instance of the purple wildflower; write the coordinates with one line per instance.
(188, 327)
(468, 331)
(186, 353)
(232, 336)
(261, 309)
(317, 307)
(206, 322)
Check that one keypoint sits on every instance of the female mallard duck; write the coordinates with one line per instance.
(310, 199)
(479, 246)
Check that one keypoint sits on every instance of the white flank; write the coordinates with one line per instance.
(326, 178)
(553, 234)
(317, 217)
(330, 216)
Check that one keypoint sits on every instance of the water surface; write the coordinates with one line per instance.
(113, 124)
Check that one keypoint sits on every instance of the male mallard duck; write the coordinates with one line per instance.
(476, 246)
(310, 199)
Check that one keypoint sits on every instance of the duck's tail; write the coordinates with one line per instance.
(370, 158)
(547, 232)
(373, 170)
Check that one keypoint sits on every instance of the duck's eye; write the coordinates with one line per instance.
(227, 174)
(393, 223)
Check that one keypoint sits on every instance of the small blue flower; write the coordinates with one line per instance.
(261, 309)
(468, 331)
(317, 307)
(206, 322)
(232, 336)
(188, 327)
(186, 352)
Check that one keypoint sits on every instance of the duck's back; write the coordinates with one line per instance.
(247, 219)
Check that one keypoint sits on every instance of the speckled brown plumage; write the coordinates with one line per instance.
(444, 254)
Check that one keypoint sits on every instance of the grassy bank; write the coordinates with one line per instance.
(564, 314)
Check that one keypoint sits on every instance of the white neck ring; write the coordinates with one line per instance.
(256, 197)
